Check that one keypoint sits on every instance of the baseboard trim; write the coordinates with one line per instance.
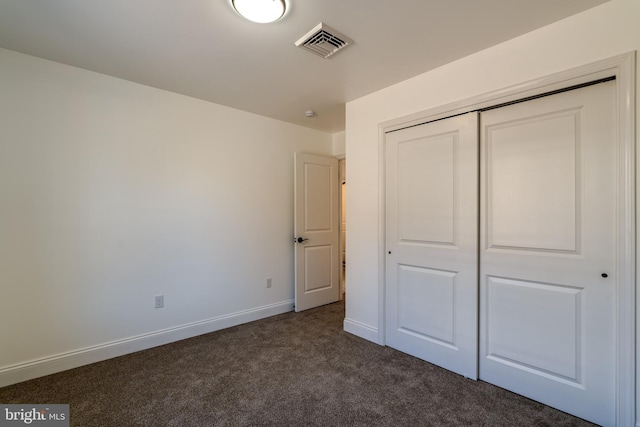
(361, 330)
(73, 359)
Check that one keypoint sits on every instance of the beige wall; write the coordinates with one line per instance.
(113, 192)
(599, 33)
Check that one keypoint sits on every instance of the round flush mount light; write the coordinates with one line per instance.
(260, 11)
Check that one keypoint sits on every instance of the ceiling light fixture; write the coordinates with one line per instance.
(260, 11)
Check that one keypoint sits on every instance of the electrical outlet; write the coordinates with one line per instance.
(269, 282)
(159, 301)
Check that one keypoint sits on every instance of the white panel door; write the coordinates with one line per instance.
(316, 231)
(547, 250)
(432, 242)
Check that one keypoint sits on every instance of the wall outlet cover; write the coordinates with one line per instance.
(159, 301)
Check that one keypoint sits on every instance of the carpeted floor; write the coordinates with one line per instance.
(295, 369)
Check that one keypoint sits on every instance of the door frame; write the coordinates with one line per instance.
(622, 68)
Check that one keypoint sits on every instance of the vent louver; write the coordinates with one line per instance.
(323, 41)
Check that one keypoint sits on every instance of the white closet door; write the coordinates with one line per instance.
(432, 242)
(548, 250)
(316, 230)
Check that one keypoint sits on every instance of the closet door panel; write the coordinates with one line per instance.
(533, 183)
(432, 242)
(547, 250)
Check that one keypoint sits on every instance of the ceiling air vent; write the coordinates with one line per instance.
(324, 41)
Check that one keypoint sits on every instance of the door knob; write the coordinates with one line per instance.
(300, 239)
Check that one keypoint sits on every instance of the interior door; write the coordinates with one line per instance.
(432, 242)
(316, 231)
(548, 257)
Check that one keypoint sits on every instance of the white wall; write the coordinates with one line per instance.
(112, 192)
(339, 144)
(599, 33)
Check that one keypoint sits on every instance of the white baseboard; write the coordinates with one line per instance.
(73, 359)
(361, 330)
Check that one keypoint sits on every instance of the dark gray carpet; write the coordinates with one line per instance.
(295, 369)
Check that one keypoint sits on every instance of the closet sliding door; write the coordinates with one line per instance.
(432, 242)
(548, 251)
(528, 301)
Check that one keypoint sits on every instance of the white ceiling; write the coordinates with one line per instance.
(202, 48)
